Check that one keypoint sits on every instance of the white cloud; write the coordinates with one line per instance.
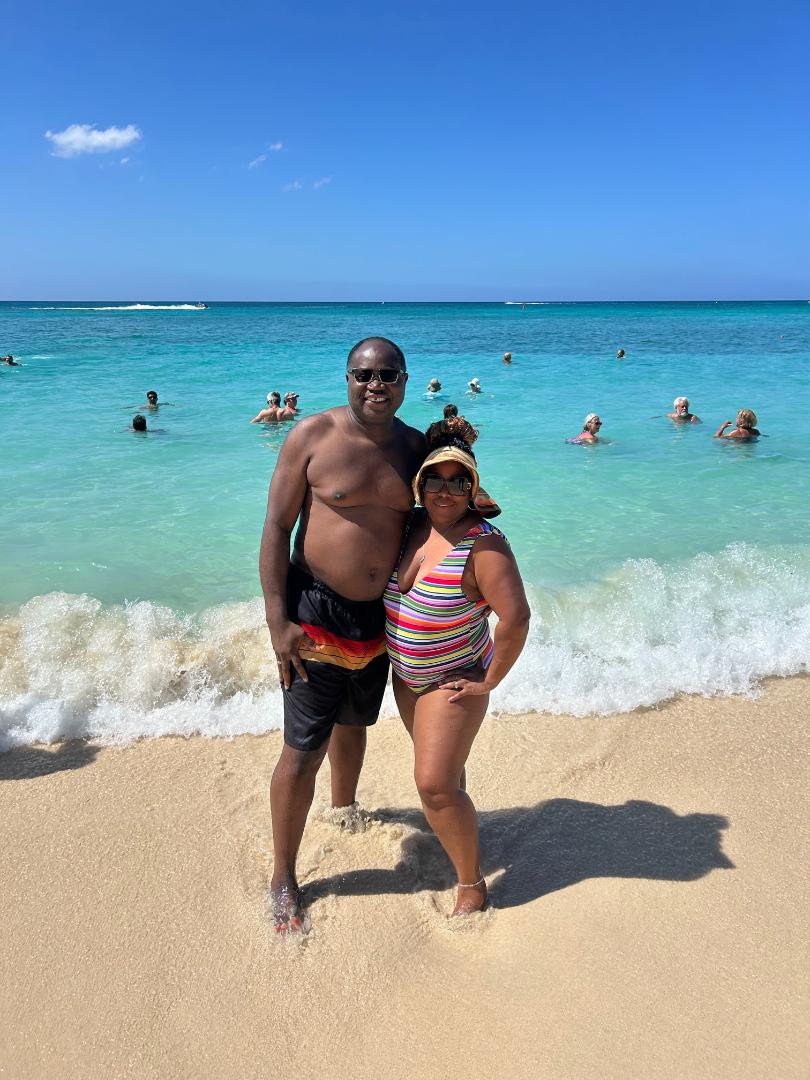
(324, 180)
(125, 160)
(275, 146)
(296, 185)
(257, 161)
(87, 139)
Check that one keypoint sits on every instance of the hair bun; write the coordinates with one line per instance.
(454, 431)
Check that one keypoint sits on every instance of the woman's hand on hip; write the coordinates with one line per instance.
(468, 684)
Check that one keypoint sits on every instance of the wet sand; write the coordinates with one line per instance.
(649, 888)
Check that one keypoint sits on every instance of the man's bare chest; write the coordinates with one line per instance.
(360, 476)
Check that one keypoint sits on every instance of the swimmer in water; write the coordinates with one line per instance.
(682, 414)
(434, 386)
(590, 430)
(290, 409)
(745, 426)
(9, 361)
(474, 386)
(507, 358)
(450, 410)
(620, 354)
(273, 413)
(139, 423)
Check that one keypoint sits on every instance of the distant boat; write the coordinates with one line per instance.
(201, 305)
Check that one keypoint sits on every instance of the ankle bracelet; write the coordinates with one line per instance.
(474, 885)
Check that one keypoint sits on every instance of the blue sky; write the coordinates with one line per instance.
(445, 151)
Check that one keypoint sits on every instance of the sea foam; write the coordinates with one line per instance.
(714, 624)
(121, 307)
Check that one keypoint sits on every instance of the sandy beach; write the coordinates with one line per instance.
(649, 892)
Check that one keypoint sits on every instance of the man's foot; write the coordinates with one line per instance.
(288, 912)
(470, 899)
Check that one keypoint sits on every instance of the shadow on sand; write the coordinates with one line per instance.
(547, 847)
(28, 762)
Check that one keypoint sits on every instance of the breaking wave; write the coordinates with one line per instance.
(715, 624)
(122, 307)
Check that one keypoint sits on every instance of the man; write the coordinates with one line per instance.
(345, 476)
(9, 361)
(682, 414)
(139, 423)
(290, 405)
(273, 413)
(507, 358)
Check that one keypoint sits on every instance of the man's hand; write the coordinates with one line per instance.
(287, 639)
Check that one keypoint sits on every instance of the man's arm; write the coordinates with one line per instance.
(288, 489)
(265, 414)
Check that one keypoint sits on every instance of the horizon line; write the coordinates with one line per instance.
(378, 302)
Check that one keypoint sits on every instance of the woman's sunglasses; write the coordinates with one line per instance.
(385, 375)
(456, 485)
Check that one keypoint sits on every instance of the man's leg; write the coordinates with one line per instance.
(347, 748)
(362, 697)
(291, 791)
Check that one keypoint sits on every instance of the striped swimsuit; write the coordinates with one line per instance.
(434, 629)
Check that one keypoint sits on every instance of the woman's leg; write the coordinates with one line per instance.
(442, 736)
(406, 701)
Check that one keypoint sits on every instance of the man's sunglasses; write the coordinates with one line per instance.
(456, 485)
(386, 375)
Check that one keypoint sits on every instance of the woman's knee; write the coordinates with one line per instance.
(436, 791)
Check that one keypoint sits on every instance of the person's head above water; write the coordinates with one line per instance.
(620, 354)
(273, 398)
(681, 404)
(151, 397)
(376, 375)
(592, 423)
(507, 358)
(291, 396)
(138, 422)
(746, 419)
(450, 410)
(434, 384)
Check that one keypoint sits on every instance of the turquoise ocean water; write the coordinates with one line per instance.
(660, 561)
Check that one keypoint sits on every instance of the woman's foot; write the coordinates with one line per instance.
(285, 903)
(470, 898)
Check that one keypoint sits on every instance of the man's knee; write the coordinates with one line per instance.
(299, 765)
(348, 737)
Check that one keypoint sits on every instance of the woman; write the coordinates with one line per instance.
(590, 430)
(455, 568)
(745, 426)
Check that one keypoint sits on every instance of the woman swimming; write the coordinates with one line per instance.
(590, 430)
(745, 426)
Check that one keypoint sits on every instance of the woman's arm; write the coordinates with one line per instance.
(498, 580)
(719, 433)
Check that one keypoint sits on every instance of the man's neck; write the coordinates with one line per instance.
(379, 432)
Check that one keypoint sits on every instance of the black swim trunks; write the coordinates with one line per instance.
(347, 669)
